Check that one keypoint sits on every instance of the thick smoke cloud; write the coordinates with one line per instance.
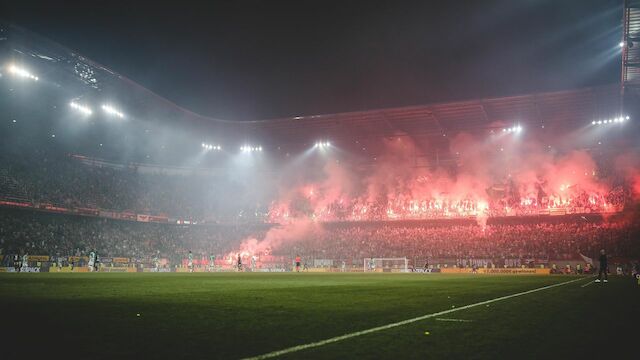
(294, 231)
(493, 175)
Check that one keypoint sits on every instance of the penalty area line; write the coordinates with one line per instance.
(399, 323)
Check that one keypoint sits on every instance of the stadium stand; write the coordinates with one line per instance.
(443, 183)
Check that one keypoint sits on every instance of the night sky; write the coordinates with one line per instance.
(244, 60)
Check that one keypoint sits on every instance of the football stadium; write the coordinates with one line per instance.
(477, 227)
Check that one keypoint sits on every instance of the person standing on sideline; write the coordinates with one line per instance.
(190, 261)
(16, 262)
(25, 262)
(239, 262)
(603, 267)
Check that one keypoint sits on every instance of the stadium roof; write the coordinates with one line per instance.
(561, 109)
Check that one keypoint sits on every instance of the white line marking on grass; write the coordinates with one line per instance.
(587, 284)
(399, 323)
(453, 320)
(590, 282)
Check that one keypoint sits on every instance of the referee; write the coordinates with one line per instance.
(603, 267)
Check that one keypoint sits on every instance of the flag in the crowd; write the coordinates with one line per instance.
(586, 259)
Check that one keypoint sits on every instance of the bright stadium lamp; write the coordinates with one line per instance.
(112, 111)
(17, 71)
(246, 148)
(209, 147)
(322, 144)
(81, 108)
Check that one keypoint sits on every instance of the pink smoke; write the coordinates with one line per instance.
(488, 172)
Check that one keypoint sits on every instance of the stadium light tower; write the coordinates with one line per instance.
(85, 110)
(20, 72)
(615, 120)
(250, 149)
(112, 111)
(209, 147)
(514, 129)
(322, 144)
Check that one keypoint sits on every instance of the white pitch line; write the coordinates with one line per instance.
(453, 320)
(587, 284)
(396, 324)
(590, 282)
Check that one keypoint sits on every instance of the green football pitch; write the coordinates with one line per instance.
(235, 316)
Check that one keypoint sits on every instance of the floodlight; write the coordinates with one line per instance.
(81, 108)
(112, 111)
(14, 70)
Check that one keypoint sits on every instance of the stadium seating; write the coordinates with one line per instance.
(534, 240)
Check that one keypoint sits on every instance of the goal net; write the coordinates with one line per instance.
(386, 265)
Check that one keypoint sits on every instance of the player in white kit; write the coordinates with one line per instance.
(92, 260)
(25, 262)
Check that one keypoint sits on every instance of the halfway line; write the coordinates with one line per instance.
(396, 324)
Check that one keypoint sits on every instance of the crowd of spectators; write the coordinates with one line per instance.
(406, 207)
(531, 240)
(40, 233)
(77, 182)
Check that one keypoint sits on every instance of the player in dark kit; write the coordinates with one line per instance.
(16, 262)
(603, 267)
(298, 260)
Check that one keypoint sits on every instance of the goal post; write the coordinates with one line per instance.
(386, 265)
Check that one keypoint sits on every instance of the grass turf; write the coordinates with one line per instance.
(231, 315)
